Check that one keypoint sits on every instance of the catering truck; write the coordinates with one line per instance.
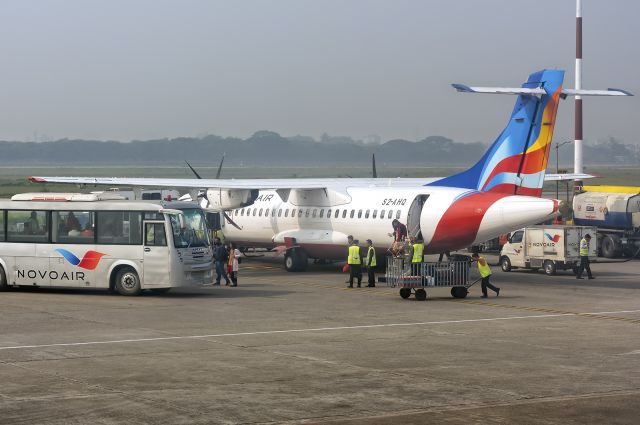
(550, 248)
(615, 210)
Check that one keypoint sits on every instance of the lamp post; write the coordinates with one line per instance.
(558, 144)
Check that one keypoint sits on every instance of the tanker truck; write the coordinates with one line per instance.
(615, 210)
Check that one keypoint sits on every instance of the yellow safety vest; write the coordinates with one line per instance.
(484, 270)
(373, 256)
(354, 255)
(418, 249)
(584, 248)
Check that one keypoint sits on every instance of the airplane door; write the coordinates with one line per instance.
(157, 263)
(413, 216)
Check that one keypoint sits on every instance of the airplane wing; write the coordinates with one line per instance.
(188, 183)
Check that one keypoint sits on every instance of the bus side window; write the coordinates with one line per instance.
(73, 227)
(155, 235)
(119, 227)
(2, 233)
(28, 226)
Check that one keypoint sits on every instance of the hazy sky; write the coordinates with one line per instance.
(140, 69)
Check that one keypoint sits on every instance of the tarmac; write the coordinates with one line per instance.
(302, 348)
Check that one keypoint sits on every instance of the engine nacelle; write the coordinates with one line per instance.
(228, 199)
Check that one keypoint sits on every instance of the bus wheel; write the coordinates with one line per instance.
(160, 290)
(4, 286)
(405, 292)
(421, 294)
(128, 282)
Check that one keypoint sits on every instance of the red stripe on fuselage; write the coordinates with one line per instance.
(459, 225)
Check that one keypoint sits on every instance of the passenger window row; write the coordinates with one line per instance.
(317, 213)
(71, 227)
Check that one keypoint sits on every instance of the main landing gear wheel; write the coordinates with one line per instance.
(296, 260)
(405, 292)
(421, 294)
(459, 292)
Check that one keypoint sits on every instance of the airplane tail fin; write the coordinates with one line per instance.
(516, 162)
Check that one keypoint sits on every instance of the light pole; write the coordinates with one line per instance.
(558, 144)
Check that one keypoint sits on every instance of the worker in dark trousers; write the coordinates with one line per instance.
(485, 273)
(584, 257)
(355, 262)
(417, 256)
(370, 262)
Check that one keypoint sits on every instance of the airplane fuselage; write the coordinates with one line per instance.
(446, 218)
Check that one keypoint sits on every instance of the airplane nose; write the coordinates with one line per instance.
(513, 212)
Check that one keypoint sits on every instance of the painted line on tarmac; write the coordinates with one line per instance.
(308, 330)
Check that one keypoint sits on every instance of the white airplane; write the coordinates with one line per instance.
(311, 218)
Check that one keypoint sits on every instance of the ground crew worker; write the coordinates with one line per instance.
(485, 273)
(417, 256)
(584, 257)
(370, 262)
(355, 262)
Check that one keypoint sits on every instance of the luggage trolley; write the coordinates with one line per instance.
(409, 277)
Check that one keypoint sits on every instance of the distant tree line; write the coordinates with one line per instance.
(266, 148)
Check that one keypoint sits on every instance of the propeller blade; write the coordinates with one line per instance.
(193, 170)
(220, 166)
(373, 159)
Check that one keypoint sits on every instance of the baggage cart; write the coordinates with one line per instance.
(416, 278)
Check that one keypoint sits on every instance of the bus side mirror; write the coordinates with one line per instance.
(183, 223)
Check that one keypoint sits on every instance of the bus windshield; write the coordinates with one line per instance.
(195, 232)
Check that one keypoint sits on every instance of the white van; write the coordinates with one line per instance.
(551, 248)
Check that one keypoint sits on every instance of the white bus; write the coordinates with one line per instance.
(96, 241)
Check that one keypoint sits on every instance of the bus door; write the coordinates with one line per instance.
(157, 259)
